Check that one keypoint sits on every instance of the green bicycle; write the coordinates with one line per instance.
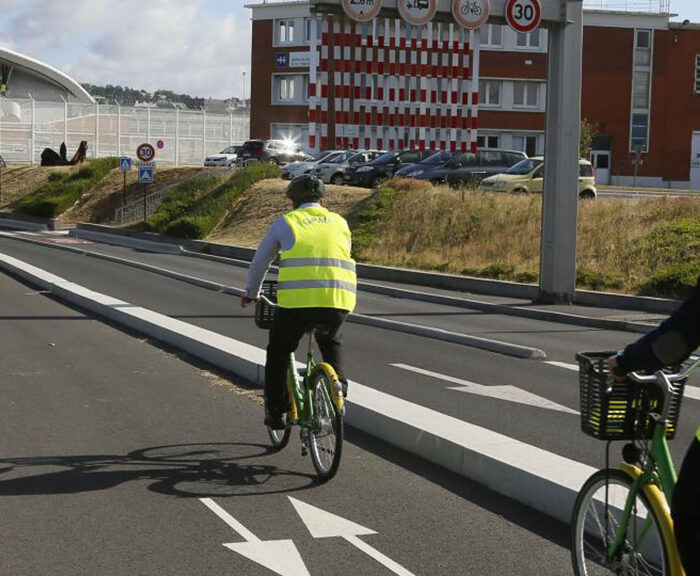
(316, 399)
(621, 520)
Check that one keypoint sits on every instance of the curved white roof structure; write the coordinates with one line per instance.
(29, 67)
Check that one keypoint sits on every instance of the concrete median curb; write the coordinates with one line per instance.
(415, 329)
(149, 245)
(507, 466)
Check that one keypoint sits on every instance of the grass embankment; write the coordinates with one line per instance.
(63, 189)
(646, 246)
(193, 209)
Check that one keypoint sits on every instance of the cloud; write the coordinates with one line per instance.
(198, 47)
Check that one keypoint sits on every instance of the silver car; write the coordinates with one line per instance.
(294, 169)
(333, 172)
(227, 157)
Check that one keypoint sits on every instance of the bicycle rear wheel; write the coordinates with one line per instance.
(326, 435)
(595, 523)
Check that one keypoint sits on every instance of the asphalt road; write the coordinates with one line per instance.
(108, 444)
(372, 353)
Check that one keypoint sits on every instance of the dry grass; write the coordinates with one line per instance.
(257, 208)
(100, 203)
(622, 244)
(20, 181)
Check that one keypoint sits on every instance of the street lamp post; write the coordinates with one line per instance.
(244, 88)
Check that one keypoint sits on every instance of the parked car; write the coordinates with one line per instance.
(227, 157)
(382, 168)
(472, 168)
(276, 151)
(528, 177)
(432, 163)
(334, 172)
(297, 168)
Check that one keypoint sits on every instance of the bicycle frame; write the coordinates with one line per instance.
(300, 395)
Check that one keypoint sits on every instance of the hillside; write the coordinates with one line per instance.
(252, 214)
(20, 181)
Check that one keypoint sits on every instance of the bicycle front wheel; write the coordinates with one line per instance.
(596, 520)
(326, 432)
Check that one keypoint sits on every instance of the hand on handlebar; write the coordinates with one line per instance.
(614, 369)
(245, 301)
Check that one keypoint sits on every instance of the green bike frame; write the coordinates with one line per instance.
(300, 395)
(659, 470)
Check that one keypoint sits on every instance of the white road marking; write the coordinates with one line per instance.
(238, 528)
(508, 393)
(322, 524)
(280, 556)
(562, 365)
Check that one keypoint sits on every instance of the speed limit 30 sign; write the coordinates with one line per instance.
(523, 15)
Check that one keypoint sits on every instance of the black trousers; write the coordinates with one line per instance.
(289, 326)
(686, 510)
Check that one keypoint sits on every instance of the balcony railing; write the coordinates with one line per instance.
(652, 6)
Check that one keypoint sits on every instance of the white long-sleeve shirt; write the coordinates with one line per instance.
(279, 238)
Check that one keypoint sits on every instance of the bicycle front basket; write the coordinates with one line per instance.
(264, 313)
(612, 410)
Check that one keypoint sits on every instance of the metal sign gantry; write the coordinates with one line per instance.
(564, 20)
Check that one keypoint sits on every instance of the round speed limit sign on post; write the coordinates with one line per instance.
(362, 10)
(523, 15)
(145, 152)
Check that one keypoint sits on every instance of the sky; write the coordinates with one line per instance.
(197, 47)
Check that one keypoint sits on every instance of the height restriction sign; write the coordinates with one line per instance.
(362, 10)
(523, 15)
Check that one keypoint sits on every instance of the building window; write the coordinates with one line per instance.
(640, 89)
(529, 40)
(490, 93)
(488, 141)
(526, 94)
(295, 134)
(285, 31)
(640, 131)
(527, 144)
(491, 35)
(697, 74)
(290, 89)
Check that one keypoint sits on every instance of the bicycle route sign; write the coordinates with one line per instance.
(362, 10)
(145, 152)
(417, 12)
(523, 15)
(471, 14)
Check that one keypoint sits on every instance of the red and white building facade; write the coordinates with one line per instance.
(641, 89)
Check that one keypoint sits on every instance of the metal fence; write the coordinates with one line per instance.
(655, 6)
(29, 126)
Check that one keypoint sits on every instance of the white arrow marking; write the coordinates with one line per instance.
(280, 556)
(322, 524)
(508, 393)
(689, 392)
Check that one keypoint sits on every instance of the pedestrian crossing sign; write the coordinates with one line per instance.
(124, 164)
(145, 174)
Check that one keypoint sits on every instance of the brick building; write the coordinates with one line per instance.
(641, 89)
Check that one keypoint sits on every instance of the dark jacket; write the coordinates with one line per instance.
(671, 343)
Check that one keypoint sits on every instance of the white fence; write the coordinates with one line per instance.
(29, 126)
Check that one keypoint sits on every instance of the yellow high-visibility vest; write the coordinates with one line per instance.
(698, 435)
(318, 271)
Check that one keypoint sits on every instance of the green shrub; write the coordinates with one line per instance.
(527, 276)
(180, 200)
(675, 281)
(63, 190)
(366, 223)
(203, 216)
(598, 280)
(498, 270)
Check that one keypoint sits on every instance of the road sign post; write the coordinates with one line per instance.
(124, 167)
(2, 165)
(145, 178)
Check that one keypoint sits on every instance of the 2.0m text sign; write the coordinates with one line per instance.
(523, 15)
(362, 10)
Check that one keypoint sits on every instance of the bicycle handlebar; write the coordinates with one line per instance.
(267, 301)
(684, 373)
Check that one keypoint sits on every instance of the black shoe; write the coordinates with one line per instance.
(344, 384)
(275, 422)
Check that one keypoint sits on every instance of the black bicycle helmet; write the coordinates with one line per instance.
(306, 188)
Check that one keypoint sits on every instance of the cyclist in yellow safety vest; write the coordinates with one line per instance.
(669, 344)
(317, 286)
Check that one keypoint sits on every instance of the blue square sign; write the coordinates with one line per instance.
(145, 174)
(282, 60)
(124, 164)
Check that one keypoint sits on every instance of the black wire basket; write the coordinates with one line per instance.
(612, 410)
(264, 313)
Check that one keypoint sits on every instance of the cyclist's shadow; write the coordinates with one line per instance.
(184, 470)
